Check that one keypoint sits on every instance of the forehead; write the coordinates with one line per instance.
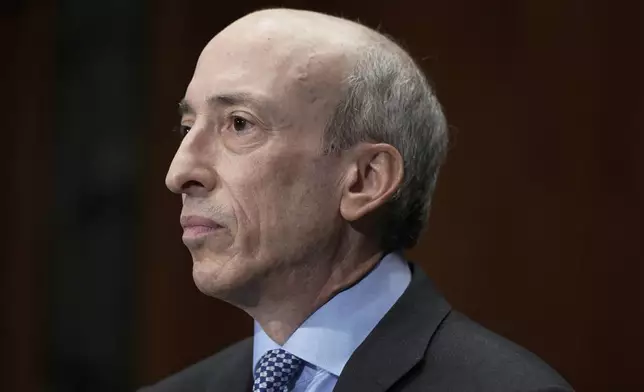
(272, 62)
(264, 65)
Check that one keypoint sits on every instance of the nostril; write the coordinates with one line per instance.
(191, 184)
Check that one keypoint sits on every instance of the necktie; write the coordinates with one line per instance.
(276, 371)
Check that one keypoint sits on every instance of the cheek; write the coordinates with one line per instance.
(295, 204)
(251, 190)
(280, 202)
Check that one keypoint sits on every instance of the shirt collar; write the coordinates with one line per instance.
(332, 333)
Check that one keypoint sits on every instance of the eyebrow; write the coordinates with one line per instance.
(228, 99)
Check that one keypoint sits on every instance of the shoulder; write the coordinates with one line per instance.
(199, 376)
(464, 353)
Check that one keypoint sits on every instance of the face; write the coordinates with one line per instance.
(259, 197)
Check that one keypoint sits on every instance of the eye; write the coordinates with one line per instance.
(182, 130)
(240, 124)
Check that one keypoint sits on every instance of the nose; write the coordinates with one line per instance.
(192, 170)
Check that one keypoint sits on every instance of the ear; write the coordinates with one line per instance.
(374, 174)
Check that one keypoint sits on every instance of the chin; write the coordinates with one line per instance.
(226, 280)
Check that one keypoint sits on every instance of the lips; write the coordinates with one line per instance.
(196, 226)
(194, 220)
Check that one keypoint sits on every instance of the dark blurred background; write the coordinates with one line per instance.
(537, 229)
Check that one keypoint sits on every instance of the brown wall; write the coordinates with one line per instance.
(537, 226)
(27, 41)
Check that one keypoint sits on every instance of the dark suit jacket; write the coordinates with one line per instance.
(420, 345)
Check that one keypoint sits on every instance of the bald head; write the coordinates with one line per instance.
(289, 57)
(300, 51)
(303, 29)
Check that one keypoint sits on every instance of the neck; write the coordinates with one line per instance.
(299, 292)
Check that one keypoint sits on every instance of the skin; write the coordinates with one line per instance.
(296, 225)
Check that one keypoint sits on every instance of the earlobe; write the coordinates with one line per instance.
(374, 176)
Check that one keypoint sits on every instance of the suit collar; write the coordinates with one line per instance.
(399, 341)
(328, 338)
(236, 372)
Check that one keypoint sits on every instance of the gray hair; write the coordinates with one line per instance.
(387, 99)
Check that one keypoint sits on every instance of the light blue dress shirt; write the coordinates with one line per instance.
(329, 336)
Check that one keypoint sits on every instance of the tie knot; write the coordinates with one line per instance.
(276, 371)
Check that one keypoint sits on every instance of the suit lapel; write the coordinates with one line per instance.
(235, 374)
(399, 341)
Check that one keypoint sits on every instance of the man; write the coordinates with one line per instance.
(310, 152)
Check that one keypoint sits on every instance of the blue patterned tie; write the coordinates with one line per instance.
(276, 371)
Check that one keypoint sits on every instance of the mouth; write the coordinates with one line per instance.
(196, 227)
